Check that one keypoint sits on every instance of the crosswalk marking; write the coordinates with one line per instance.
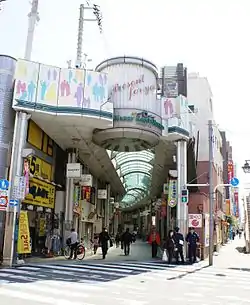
(47, 289)
(77, 268)
(70, 283)
(222, 282)
(85, 283)
(33, 297)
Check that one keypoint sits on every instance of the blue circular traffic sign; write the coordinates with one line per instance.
(4, 184)
(234, 182)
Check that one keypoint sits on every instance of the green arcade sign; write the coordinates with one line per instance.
(146, 120)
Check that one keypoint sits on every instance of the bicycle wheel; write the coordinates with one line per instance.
(80, 252)
(67, 252)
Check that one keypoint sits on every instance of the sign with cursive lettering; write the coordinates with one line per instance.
(135, 87)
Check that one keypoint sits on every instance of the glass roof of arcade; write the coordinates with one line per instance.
(135, 172)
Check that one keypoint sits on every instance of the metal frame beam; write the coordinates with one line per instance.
(137, 188)
(132, 161)
(137, 172)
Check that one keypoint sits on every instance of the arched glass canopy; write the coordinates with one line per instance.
(135, 172)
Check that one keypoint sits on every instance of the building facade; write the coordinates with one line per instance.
(200, 99)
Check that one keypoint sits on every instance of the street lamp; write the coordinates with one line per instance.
(246, 167)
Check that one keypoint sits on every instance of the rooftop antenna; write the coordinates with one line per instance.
(33, 20)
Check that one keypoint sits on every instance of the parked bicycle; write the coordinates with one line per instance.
(80, 251)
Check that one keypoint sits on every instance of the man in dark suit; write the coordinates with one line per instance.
(103, 240)
(179, 241)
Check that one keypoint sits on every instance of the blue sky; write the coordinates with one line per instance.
(214, 43)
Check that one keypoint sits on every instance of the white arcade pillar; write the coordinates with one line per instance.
(16, 169)
(19, 142)
(69, 198)
(182, 209)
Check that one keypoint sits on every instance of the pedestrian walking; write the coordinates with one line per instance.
(104, 238)
(126, 240)
(170, 246)
(117, 240)
(73, 240)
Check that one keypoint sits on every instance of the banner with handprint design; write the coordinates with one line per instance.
(26, 77)
(175, 115)
(71, 88)
(47, 89)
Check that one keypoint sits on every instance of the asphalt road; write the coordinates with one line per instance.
(129, 282)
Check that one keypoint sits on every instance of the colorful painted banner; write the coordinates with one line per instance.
(77, 197)
(23, 242)
(230, 170)
(96, 91)
(47, 88)
(25, 91)
(58, 91)
(26, 174)
(236, 203)
(172, 193)
(71, 88)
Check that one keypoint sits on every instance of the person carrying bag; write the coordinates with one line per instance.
(170, 246)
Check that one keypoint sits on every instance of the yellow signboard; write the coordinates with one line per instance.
(38, 167)
(23, 242)
(41, 194)
(42, 224)
(35, 135)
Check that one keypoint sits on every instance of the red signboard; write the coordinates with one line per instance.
(230, 170)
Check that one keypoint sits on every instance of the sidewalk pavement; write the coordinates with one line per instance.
(232, 256)
(138, 251)
(89, 254)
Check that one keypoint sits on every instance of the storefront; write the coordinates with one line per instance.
(40, 204)
(40, 200)
(88, 214)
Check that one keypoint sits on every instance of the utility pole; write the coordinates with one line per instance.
(211, 193)
(98, 18)
(10, 256)
(33, 20)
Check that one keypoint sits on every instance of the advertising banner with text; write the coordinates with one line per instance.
(40, 194)
(23, 242)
